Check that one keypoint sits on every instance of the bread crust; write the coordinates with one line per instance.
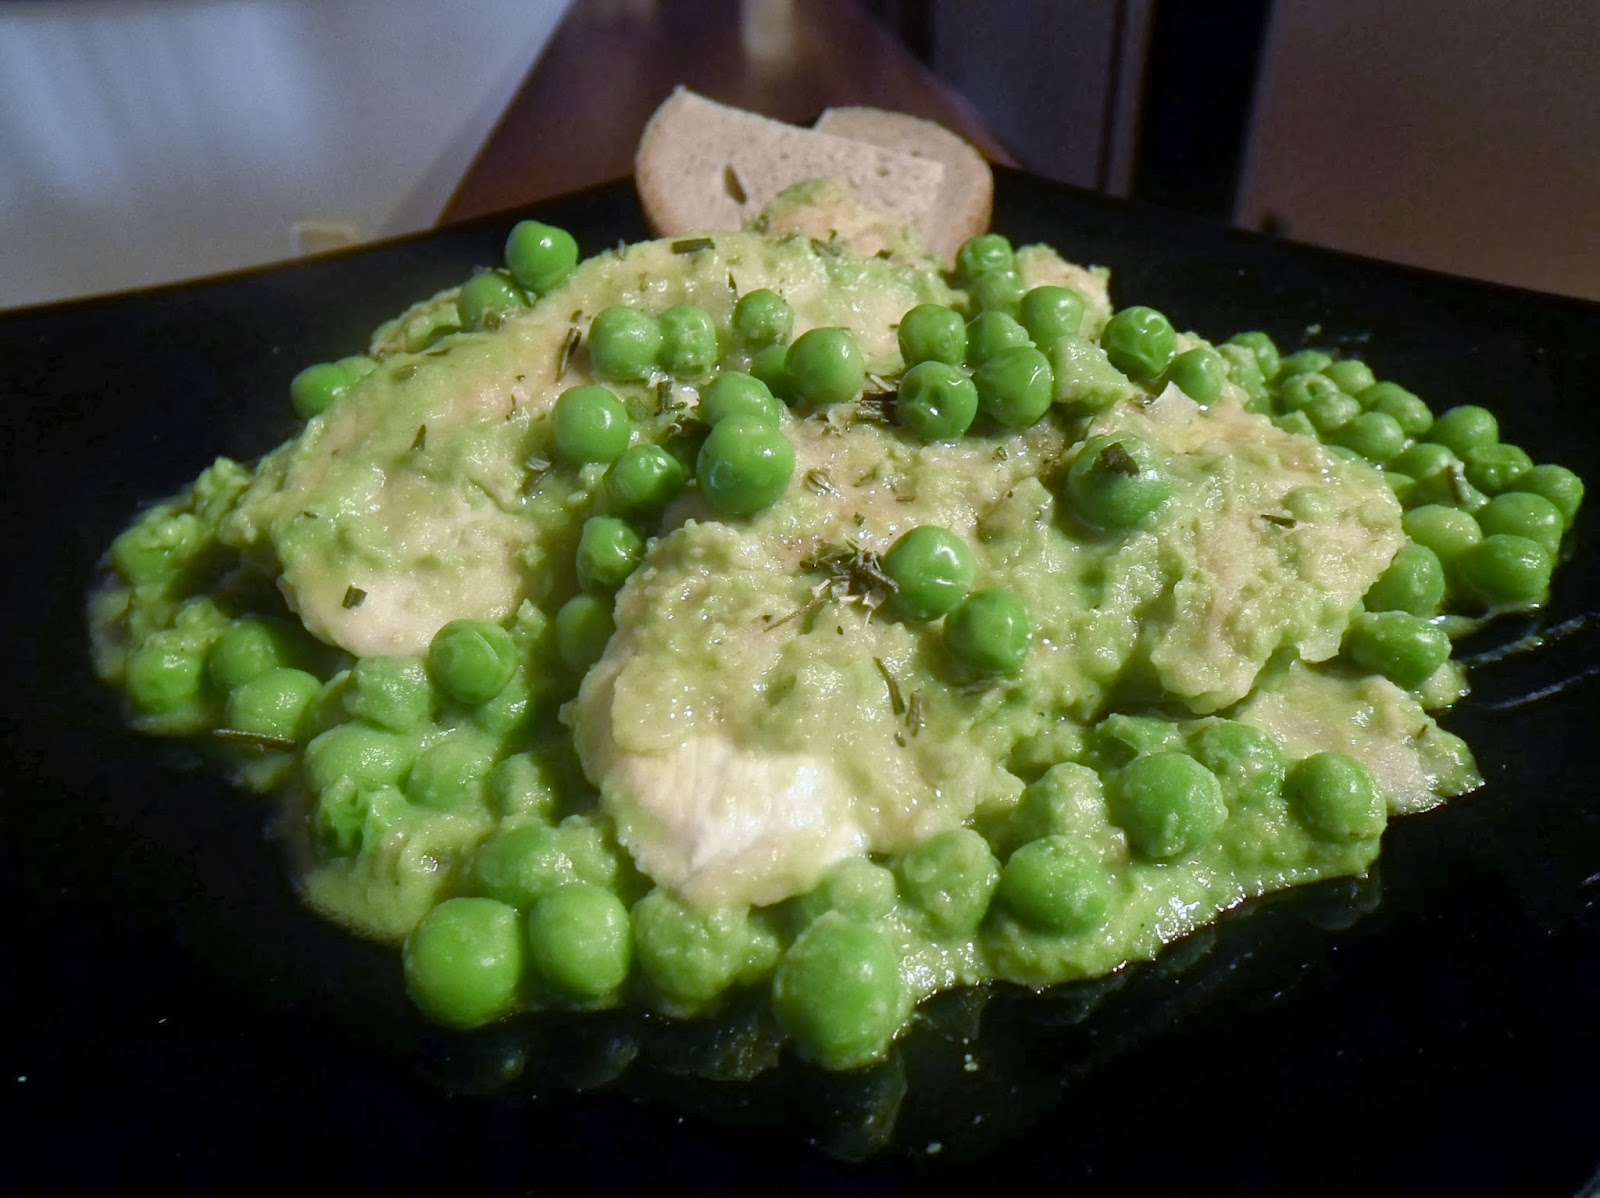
(702, 166)
(966, 196)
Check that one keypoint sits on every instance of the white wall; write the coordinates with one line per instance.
(143, 141)
(1461, 135)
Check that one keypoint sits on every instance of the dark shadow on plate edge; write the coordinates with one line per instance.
(173, 1012)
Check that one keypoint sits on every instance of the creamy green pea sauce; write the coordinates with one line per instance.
(758, 772)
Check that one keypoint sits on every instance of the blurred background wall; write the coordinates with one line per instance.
(1459, 135)
(149, 140)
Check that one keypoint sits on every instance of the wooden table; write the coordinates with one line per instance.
(578, 115)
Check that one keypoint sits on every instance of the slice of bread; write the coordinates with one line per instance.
(966, 194)
(703, 165)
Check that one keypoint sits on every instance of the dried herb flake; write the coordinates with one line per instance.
(897, 703)
(818, 482)
(569, 346)
(1116, 460)
(692, 245)
(354, 597)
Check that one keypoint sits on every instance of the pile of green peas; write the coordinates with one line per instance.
(547, 912)
(988, 631)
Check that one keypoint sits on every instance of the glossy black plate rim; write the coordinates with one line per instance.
(159, 1016)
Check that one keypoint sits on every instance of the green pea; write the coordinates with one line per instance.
(1200, 374)
(1506, 571)
(1376, 436)
(1351, 374)
(164, 679)
(1246, 374)
(1413, 583)
(937, 402)
(1297, 423)
(1263, 349)
(159, 548)
(932, 333)
(277, 703)
(1335, 798)
(932, 570)
(1413, 415)
(1121, 737)
(951, 877)
(1085, 379)
(734, 394)
(644, 479)
(1015, 387)
(1054, 802)
(762, 318)
(1423, 460)
(769, 366)
(997, 291)
(1526, 515)
(982, 254)
(1168, 804)
(247, 650)
(347, 818)
(390, 692)
(540, 257)
(1140, 342)
(1312, 504)
(1305, 361)
(688, 955)
(1330, 413)
(524, 785)
(484, 295)
(1405, 649)
(519, 866)
(1117, 483)
(855, 887)
(579, 940)
(608, 551)
(1403, 486)
(1496, 468)
(1448, 531)
(1464, 428)
(1297, 392)
(368, 757)
(625, 343)
(583, 627)
(463, 962)
(1246, 761)
(591, 425)
(1051, 313)
(1054, 884)
(990, 333)
(472, 660)
(357, 366)
(744, 466)
(688, 341)
(1557, 484)
(824, 367)
(837, 992)
(990, 632)
(451, 772)
(314, 389)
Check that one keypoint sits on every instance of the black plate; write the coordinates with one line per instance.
(171, 1012)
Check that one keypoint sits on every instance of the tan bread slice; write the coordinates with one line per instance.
(697, 158)
(966, 197)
